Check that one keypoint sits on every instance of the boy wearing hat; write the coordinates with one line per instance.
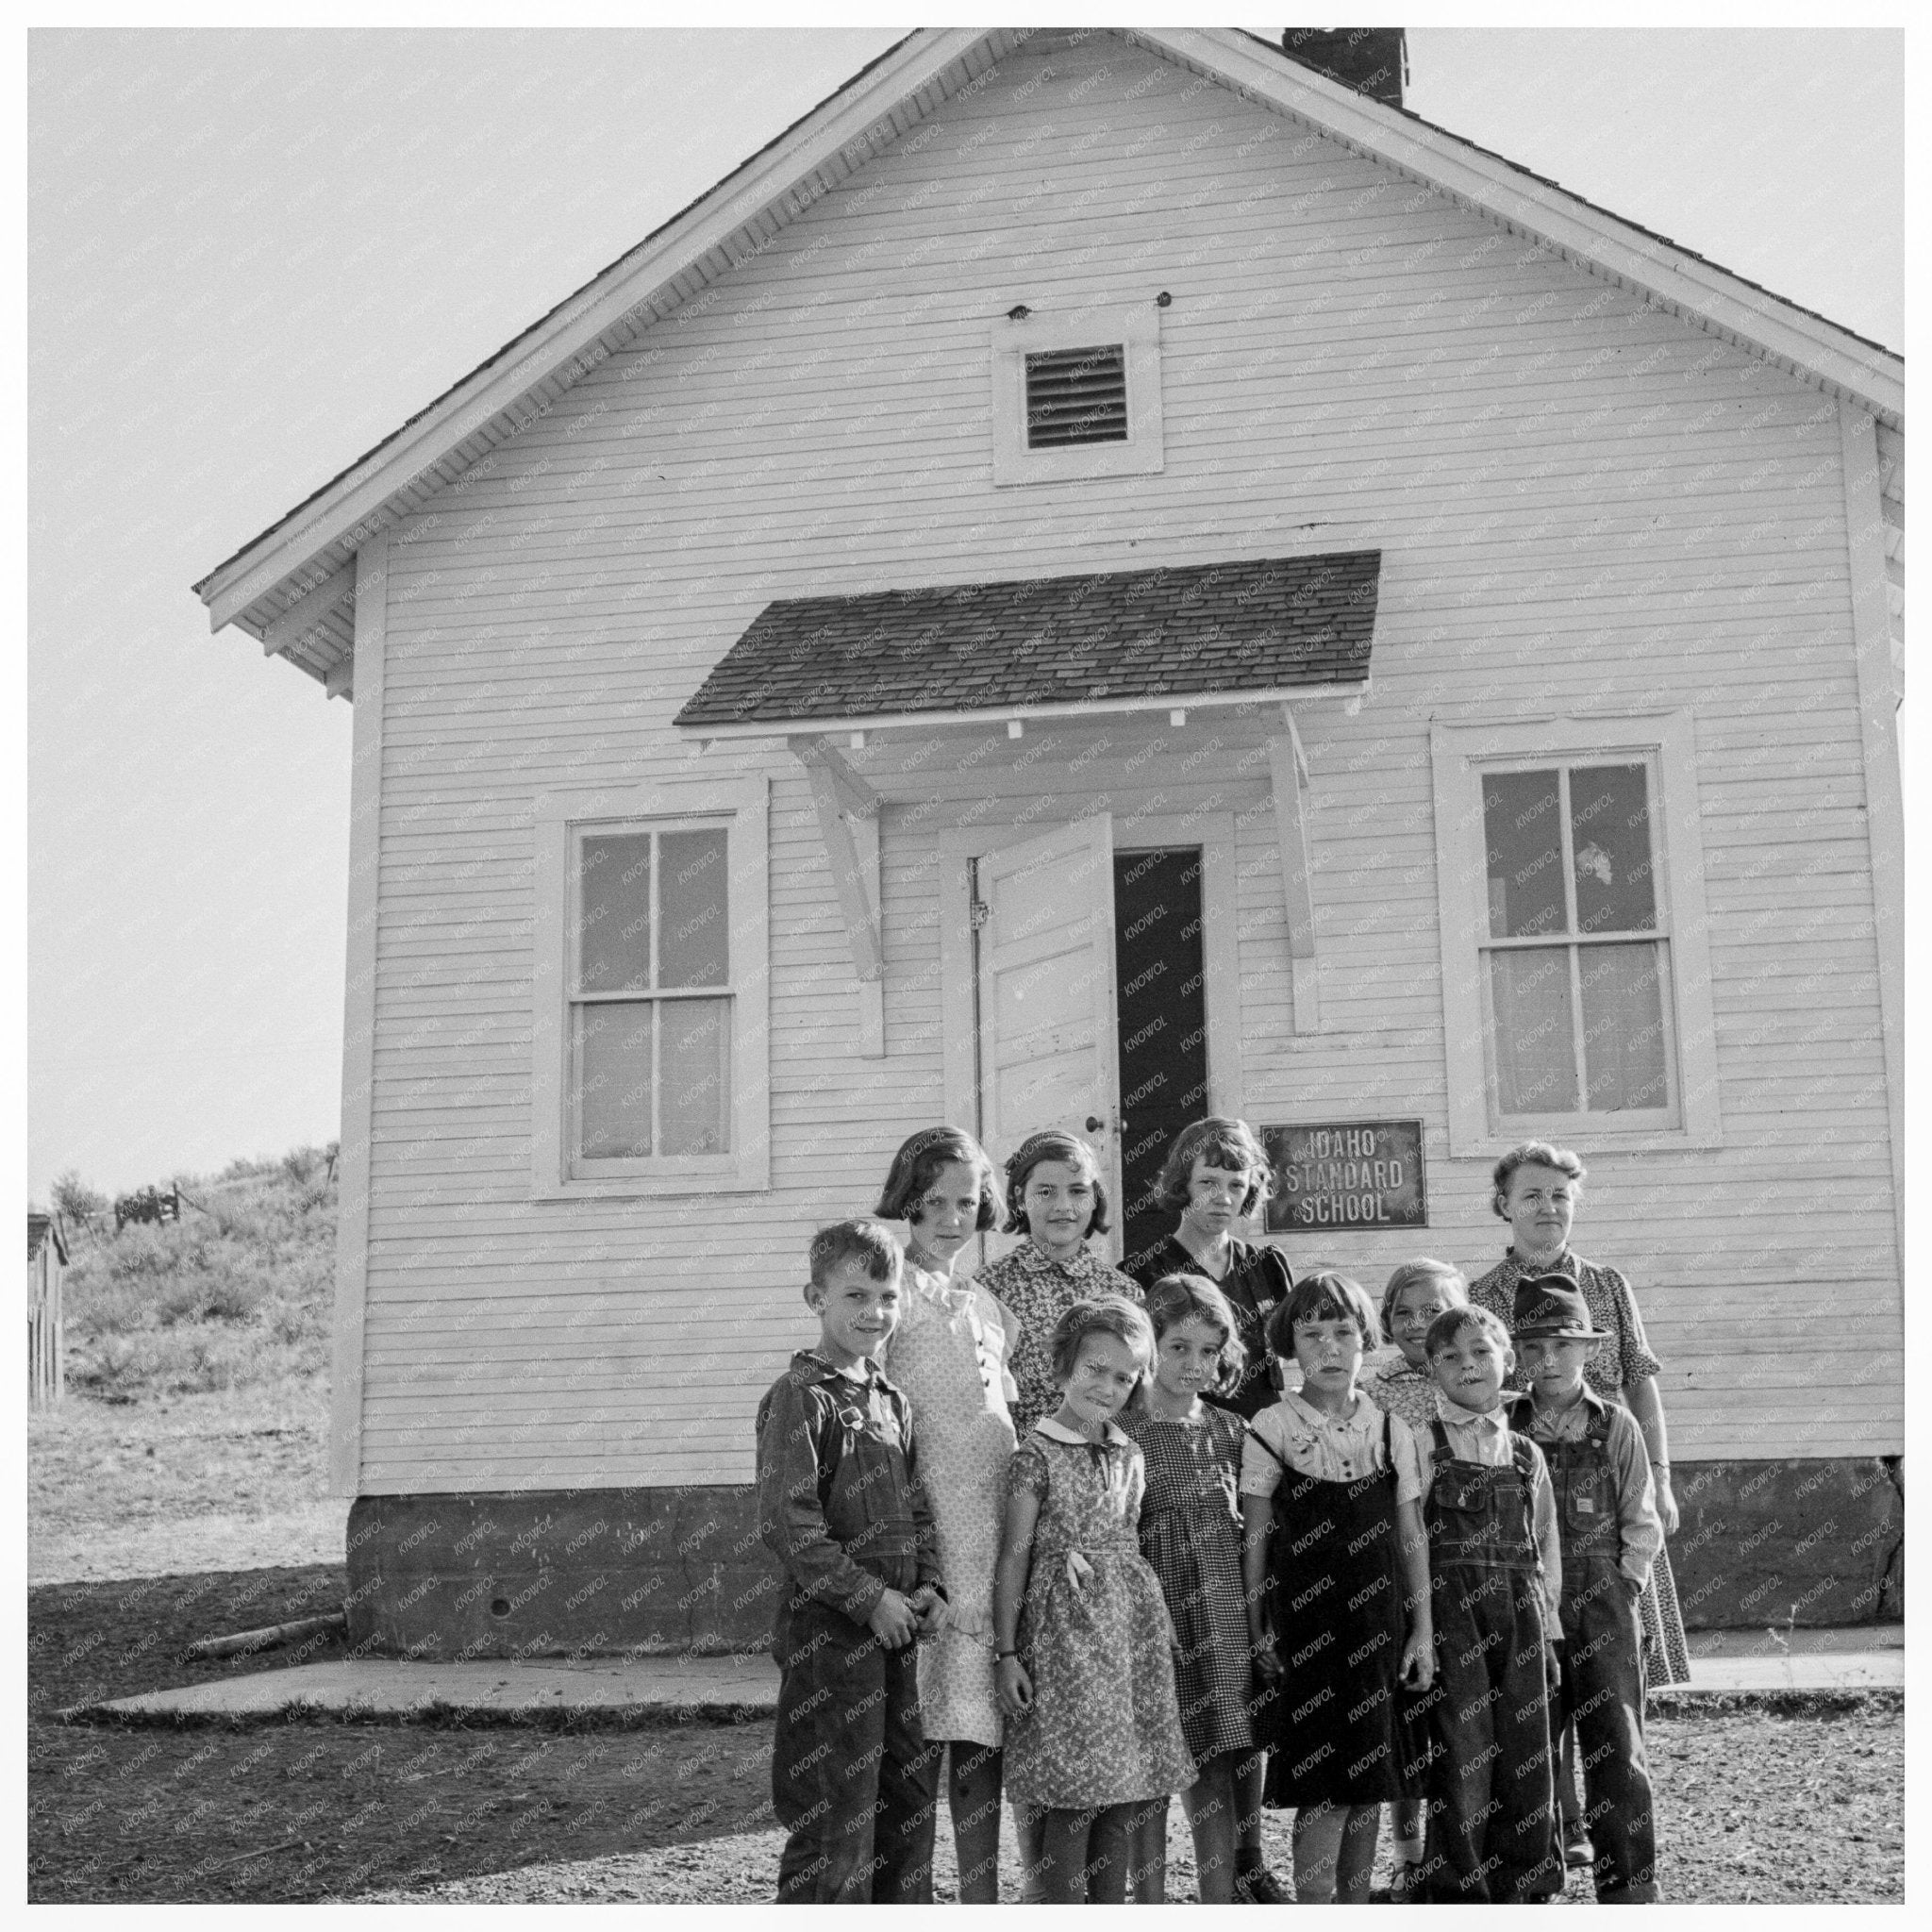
(1610, 1532)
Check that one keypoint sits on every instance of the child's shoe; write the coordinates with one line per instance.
(1254, 1885)
(1405, 1885)
(1578, 1853)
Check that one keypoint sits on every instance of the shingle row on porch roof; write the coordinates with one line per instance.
(1208, 629)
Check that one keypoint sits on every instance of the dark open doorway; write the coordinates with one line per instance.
(1163, 1026)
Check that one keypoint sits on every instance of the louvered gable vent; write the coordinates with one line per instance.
(1076, 395)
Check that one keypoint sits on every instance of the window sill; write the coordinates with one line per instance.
(651, 1187)
(1588, 1135)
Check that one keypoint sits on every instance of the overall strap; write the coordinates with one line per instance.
(1252, 1434)
(1438, 1438)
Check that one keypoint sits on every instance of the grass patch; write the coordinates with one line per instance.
(234, 1295)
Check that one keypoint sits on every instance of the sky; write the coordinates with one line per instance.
(252, 255)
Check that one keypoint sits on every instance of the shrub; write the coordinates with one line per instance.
(238, 1294)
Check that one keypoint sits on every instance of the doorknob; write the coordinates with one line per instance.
(1095, 1123)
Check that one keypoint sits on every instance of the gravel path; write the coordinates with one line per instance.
(1759, 1807)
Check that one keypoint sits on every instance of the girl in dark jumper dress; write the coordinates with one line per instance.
(1331, 1490)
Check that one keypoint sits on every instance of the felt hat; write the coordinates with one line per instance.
(1553, 1306)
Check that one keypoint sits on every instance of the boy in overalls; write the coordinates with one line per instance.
(1610, 1532)
(840, 1506)
(1495, 1580)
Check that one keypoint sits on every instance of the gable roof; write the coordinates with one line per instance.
(1117, 639)
(288, 585)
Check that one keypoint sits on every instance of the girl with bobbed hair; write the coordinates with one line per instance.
(948, 1356)
(1190, 1533)
(1215, 1176)
(1535, 1187)
(1085, 1642)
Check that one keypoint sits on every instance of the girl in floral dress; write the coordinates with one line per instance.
(948, 1356)
(1085, 1673)
(1190, 1533)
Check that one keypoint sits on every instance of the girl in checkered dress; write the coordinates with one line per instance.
(1189, 1532)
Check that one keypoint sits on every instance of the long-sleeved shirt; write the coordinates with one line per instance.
(1640, 1530)
(1483, 1436)
(839, 1500)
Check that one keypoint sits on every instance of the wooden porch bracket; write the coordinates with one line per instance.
(848, 810)
(306, 616)
(1289, 771)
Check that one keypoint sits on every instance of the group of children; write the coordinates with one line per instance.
(1025, 1530)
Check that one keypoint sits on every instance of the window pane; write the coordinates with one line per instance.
(1523, 824)
(1536, 1046)
(614, 901)
(611, 1060)
(696, 1041)
(1609, 838)
(1622, 1027)
(693, 900)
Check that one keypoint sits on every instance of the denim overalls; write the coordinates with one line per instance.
(1603, 1660)
(852, 1775)
(1492, 1829)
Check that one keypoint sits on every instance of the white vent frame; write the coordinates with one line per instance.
(1136, 327)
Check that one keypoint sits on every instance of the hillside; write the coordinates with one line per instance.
(234, 1295)
(195, 1434)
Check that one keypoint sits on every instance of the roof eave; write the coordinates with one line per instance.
(361, 498)
(1180, 699)
(1861, 372)
(783, 168)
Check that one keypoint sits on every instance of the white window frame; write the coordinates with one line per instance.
(741, 805)
(1136, 327)
(1460, 755)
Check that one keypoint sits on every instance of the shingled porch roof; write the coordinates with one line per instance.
(1116, 640)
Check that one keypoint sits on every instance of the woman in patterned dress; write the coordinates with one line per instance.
(948, 1356)
(1535, 1189)
(1190, 1533)
(1086, 1671)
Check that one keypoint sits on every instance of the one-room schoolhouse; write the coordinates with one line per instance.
(1102, 576)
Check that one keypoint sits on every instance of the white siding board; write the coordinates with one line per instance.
(1556, 472)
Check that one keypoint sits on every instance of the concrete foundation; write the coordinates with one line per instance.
(1805, 1543)
(595, 1572)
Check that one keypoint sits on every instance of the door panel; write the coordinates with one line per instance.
(1048, 1049)
(1163, 1026)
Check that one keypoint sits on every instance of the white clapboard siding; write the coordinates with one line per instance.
(1583, 505)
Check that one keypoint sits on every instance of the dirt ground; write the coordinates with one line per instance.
(1760, 1804)
(232, 1478)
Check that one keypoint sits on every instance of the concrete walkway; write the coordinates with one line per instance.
(1869, 1658)
(390, 1686)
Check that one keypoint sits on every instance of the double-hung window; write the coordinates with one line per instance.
(650, 1009)
(1576, 988)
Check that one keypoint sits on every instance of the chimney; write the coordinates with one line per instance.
(1371, 59)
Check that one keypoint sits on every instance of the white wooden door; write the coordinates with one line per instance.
(1049, 1055)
